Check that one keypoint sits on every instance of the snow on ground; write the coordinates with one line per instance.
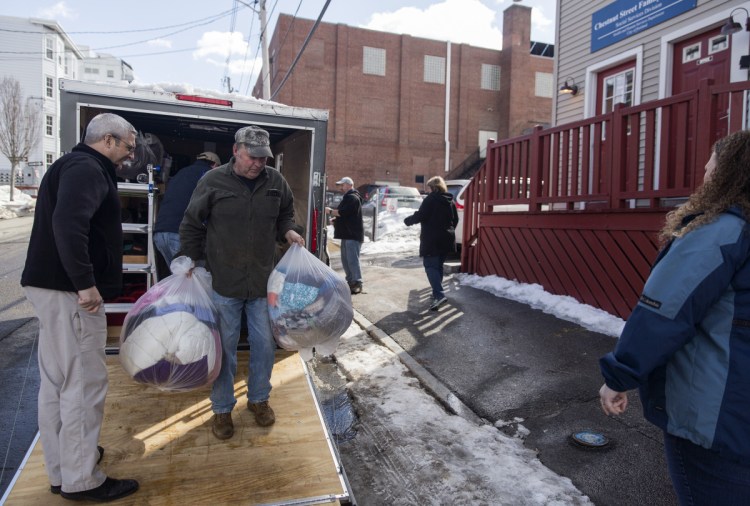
(22, 203)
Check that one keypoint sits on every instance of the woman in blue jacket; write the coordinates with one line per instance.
(686, 345)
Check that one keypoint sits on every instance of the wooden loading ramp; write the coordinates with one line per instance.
(164, 441)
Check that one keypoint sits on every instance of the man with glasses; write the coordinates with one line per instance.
(74, 261)
(235, 217)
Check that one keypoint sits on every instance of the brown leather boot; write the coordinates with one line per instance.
(222, 425)
(264, 415)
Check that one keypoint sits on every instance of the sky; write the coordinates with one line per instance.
(203, 43)
(500, 466)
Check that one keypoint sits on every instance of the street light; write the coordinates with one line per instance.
(731, 26)
(570, 87)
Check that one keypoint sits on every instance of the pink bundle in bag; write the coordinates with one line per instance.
(170, 338)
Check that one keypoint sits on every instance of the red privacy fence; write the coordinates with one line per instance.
(577, 208)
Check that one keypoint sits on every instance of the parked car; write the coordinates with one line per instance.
(366, 190)
(406, 196)
(457, 187)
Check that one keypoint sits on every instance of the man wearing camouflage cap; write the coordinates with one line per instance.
(235, 216)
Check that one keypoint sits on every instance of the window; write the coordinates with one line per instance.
(718, 43)
(373, 61)
(50, 50)
(691, 53)
(90, 70)
(49, 125)
(110, 73)
(543, 85)
(618, 89)
(434, 69)
(49, 158)
(490, 77)
(50, 87)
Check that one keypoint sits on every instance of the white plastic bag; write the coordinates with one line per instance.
(310, 305)
(170, 338)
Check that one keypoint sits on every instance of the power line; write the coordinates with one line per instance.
(110, 32)
(302, 49)
(281, 45)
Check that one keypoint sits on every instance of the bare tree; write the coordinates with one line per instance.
(19, 126)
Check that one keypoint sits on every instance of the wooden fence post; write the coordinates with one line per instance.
(535, 167)
(705, 131)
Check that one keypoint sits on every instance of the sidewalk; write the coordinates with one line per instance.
(524, 371)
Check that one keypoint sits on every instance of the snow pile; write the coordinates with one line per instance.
(22, 204)
(404, 432)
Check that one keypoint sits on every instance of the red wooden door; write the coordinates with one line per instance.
(704, 56)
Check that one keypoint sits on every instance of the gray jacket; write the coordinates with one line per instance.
(236, 230)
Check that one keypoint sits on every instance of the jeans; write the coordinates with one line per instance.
(701, 476)
(168, 244)
(350, 260)
(433, 267)
(262, 351)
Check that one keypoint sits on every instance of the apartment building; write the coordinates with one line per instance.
(37, 52)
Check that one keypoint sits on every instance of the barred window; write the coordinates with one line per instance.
(490, 77)
(434, 69)
(373, 60)
(543, 86)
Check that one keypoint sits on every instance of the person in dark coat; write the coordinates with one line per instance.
(347, 226)
(74, 261)
(172, 207)
(439, 218)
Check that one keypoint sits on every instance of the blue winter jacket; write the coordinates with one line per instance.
(687, 343)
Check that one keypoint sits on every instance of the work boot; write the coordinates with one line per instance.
(110, 490)
(264, 415)
(222, 425)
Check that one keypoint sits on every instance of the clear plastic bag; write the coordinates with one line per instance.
(310, 305)
(170, 338)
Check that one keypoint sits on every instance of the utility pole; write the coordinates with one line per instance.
(266, 69)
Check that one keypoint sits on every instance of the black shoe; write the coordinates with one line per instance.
(356, 287)
(437, 303)
(55, 489)
(110, 490)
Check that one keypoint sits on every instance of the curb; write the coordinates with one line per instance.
(430, 382)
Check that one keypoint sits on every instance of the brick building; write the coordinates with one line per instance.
(387, 98)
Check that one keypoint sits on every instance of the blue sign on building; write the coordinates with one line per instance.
(623, 18)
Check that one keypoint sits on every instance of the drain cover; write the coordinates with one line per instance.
(589, 439)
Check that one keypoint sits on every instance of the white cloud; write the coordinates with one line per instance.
(60, 10)
(462, 21)
(160, 43)
(220, 44)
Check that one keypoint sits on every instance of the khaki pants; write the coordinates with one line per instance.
(72, 389)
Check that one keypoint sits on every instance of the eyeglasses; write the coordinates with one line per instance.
(130, 147)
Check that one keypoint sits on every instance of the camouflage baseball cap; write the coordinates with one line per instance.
(255, 139)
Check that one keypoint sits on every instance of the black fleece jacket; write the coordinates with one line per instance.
(76, 240)
(439, 218)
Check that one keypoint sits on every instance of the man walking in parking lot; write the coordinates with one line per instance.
(348, 226)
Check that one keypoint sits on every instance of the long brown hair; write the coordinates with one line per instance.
(728, 186)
